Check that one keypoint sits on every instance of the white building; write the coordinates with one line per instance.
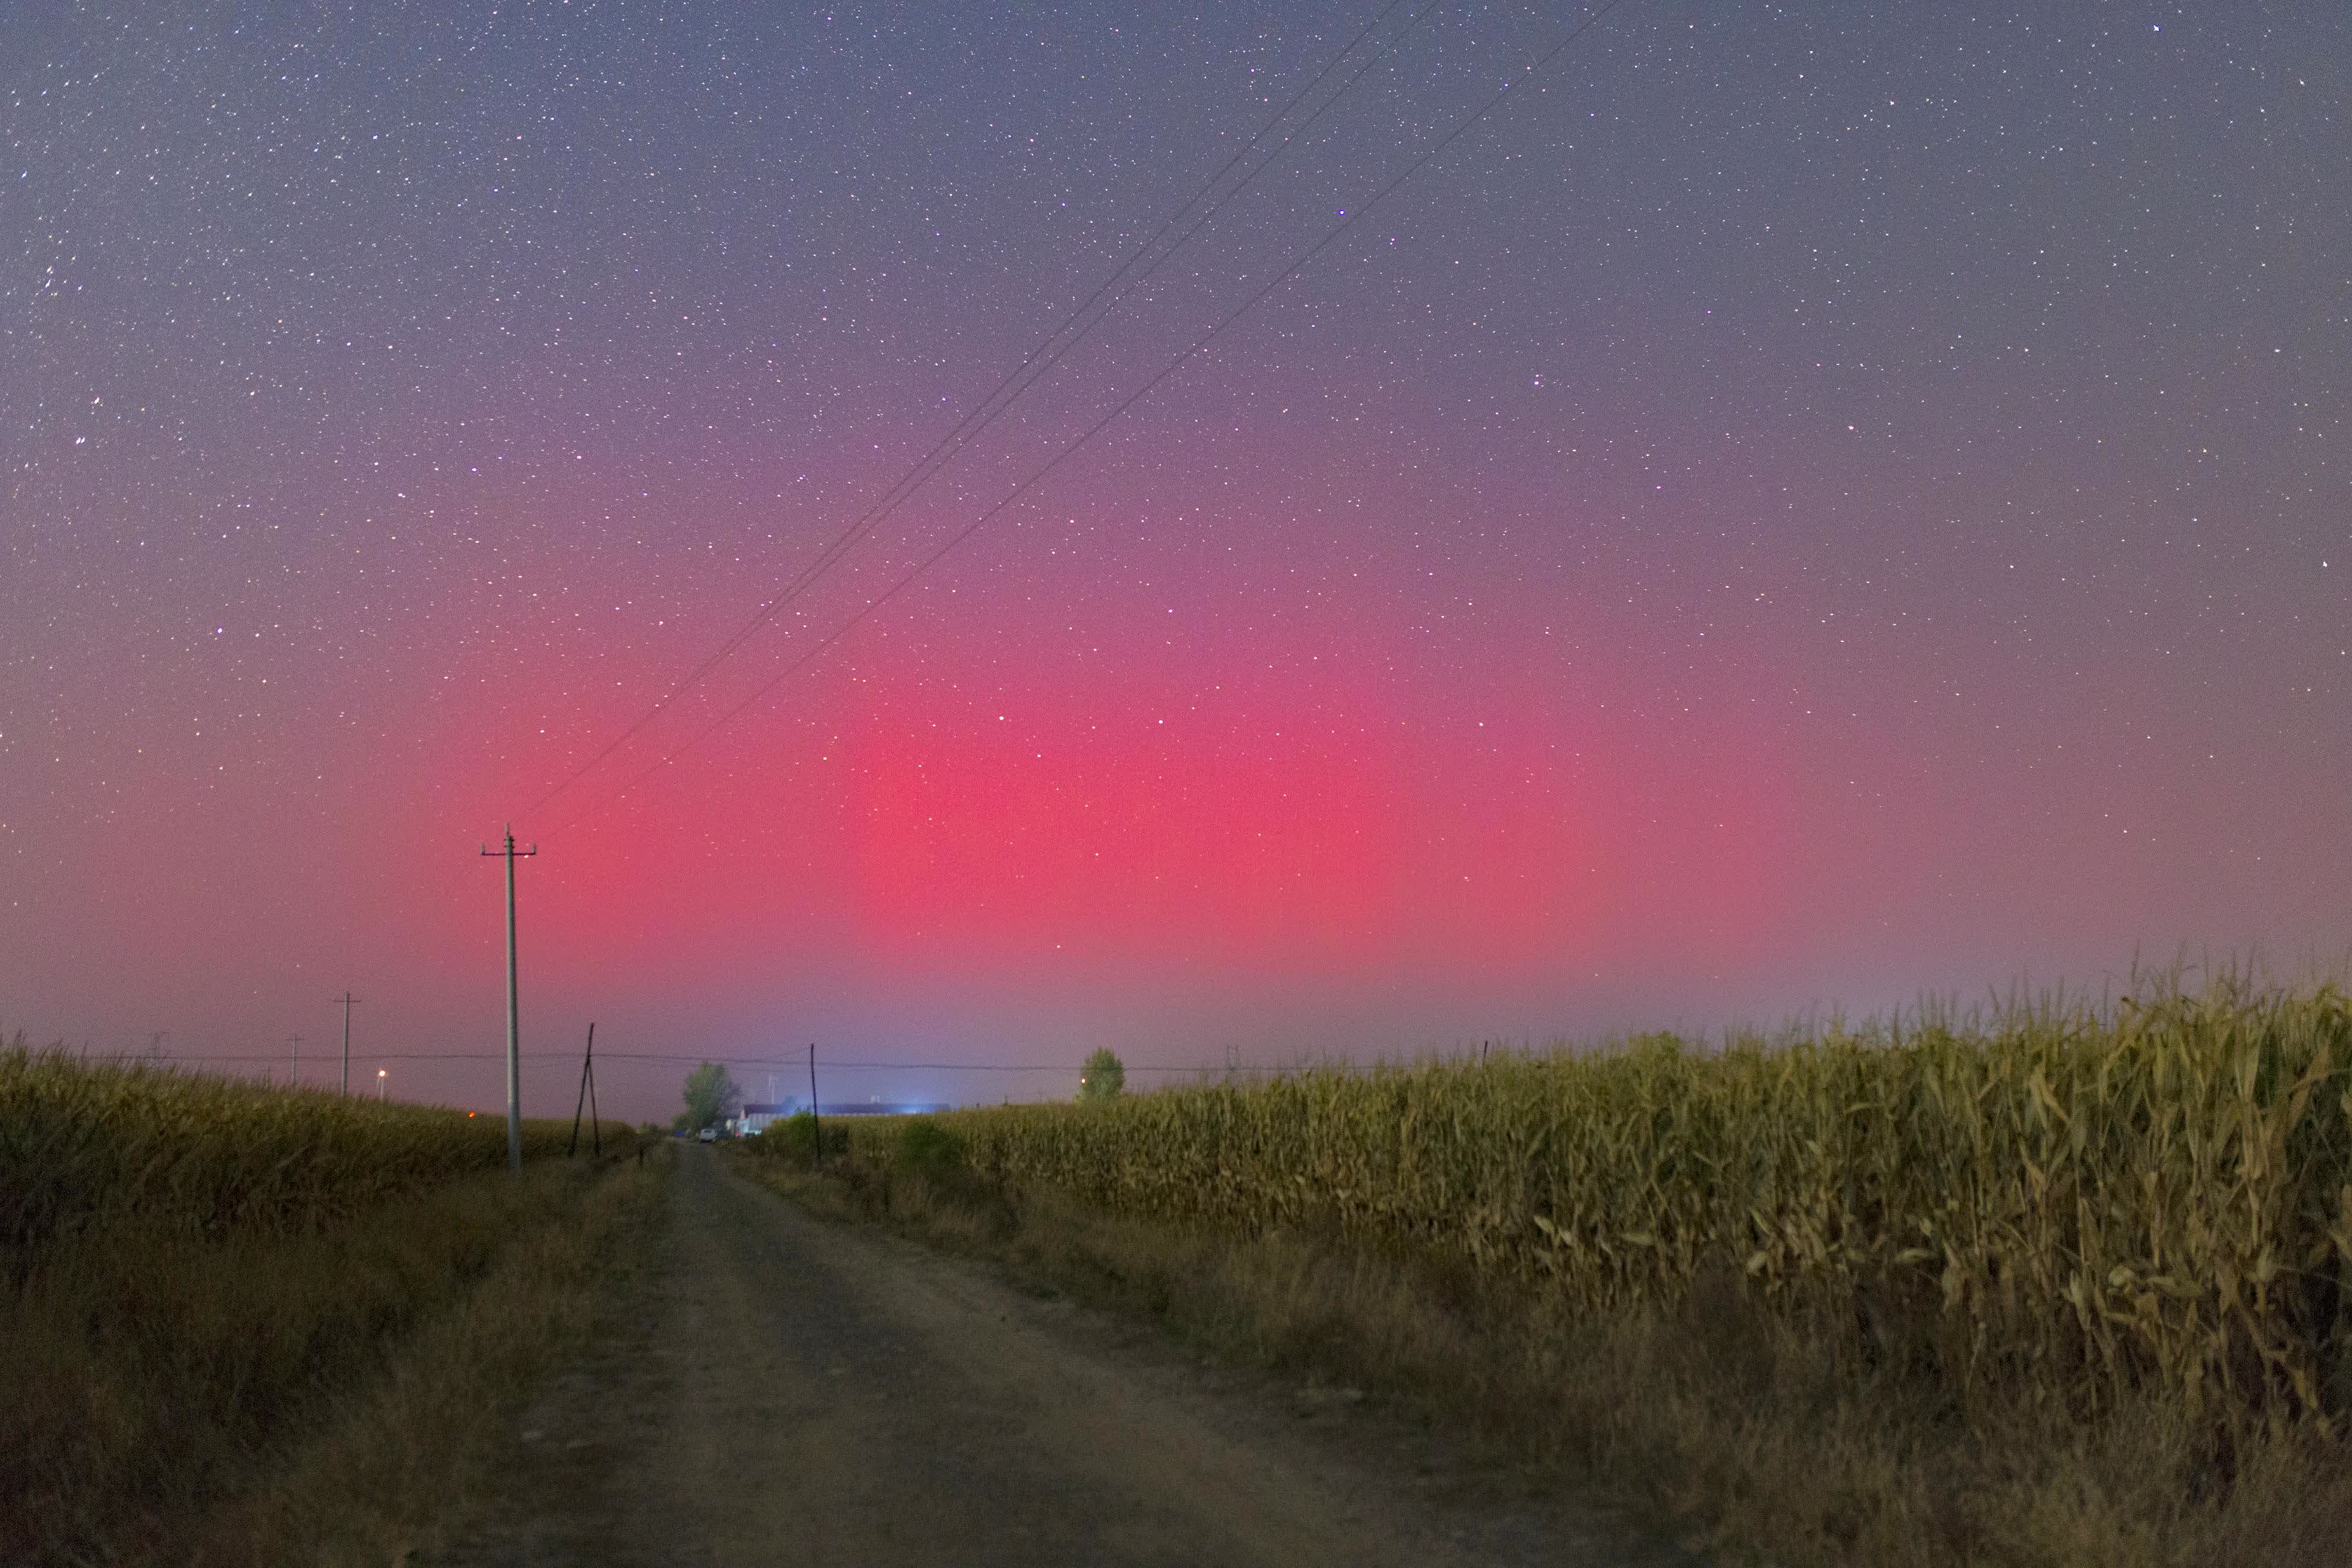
(755, 1118)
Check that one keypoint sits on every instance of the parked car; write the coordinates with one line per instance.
(709, 1134)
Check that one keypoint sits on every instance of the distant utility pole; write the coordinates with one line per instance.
(816, 1130)
(294, 1060)
(588, 1099)
(347, 1002)
(514, 1013)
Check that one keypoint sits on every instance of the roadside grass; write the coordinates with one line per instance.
(235, 1371)
(319, 1399)
(1742, 1427)
(392, 1468)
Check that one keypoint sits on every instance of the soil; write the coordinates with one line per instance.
(777, 1389)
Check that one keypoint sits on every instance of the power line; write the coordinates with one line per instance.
(762, 1062)
(1031, 369)
(1346, 223)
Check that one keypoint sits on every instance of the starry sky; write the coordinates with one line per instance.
(1794, 508)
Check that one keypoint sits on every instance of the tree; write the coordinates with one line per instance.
(711, 1097)
(1103, 1076)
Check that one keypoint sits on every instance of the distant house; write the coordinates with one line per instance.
(755, 1119)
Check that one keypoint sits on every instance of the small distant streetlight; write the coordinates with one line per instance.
(379, 1085)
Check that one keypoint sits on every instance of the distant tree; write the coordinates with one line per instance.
(711, 1097)
(1103, 1076)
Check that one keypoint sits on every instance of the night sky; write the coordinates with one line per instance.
(1798, 506)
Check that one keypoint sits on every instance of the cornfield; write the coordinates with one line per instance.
(86, 1148)
(2064, 1200)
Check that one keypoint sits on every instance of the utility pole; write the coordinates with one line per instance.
(587, 1076)
(514, 1014)
(347, 1001)
(293, 1060)
(816, 1128)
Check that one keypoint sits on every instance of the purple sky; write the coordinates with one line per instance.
(1797, 506)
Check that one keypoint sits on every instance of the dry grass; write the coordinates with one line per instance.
(391, 1470)
(2117, 1339)
(179, 1361)
(1733, 1427)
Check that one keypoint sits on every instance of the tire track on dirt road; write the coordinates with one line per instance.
(774, 1389)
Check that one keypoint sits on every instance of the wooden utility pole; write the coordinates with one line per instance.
(293, 1060)
(816, 1128)
(587, 1091)
(347, 1001)
(514, 1012)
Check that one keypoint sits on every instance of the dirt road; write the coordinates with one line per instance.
(778, 1390)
